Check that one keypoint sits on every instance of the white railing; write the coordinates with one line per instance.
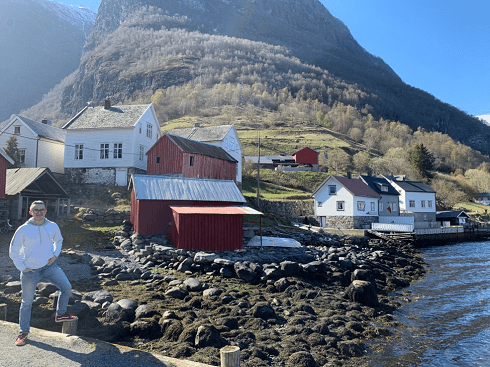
(440, 230)
(392, 227)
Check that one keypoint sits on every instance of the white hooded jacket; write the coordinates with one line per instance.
(34, 244)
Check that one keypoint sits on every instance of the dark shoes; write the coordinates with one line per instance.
(21, 339)
(65, 317)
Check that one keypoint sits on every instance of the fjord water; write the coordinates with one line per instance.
(446, 315)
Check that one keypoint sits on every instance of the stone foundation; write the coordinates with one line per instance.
(347, 222)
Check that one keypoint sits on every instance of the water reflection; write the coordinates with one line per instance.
(448, 319)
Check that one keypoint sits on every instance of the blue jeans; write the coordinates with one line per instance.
(29, 280)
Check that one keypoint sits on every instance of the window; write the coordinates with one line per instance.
(361, 205)
(411, 203)
(373, 206)
(380, 206)
(142, 152)
(17, 130)
(104, 151)
(149, 130)
(340, 205)
(140, 127)
(422, 203)
(22, 156)
(232, 144)
(332, 189)
(320, 204)
(157, 159)
(191, 161)
(384, 188)
(78, 151)
(117, 150)
(429, 203)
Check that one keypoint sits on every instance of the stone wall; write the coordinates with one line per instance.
(347, 222)
(288, 209)
(108, 217)
(99, 176)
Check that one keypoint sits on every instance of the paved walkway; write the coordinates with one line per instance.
(47, 348)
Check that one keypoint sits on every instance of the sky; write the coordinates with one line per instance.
(441, 47)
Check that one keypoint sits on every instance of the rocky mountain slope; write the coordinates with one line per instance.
(41, 43)
(141, 46)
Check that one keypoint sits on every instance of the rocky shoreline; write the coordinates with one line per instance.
(316, 305)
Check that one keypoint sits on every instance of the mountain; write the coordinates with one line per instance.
(192, 50)
(41, 42)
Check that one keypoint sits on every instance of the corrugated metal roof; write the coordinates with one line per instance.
(197, 147)
(100, 118)
(230, 209)
(205, 133)
(19, 179)
(154, 187)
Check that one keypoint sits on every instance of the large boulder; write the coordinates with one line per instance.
(362, 292)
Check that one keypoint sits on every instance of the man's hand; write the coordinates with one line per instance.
(52, 260)
(28, 271)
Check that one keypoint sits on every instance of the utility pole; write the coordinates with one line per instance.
(258, 174)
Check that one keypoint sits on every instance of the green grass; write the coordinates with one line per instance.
(477, 211)
(81, 236)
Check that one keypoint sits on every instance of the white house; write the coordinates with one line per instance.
(483, 198)
(39, 143)
(105, 145)
(388, 203)
(224, 136)
(344, 202)
(417, 199)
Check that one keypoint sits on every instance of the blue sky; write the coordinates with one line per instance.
(442, 47)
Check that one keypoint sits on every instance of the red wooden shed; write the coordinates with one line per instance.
(306, 156)
(178, 156)
(4, 162)
(199, 214)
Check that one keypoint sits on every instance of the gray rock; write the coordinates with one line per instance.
(98, 296)
(193, 284)
(144, 311)
(212, 292)
(208, 336)
(362, 292)
(128, 304)
(176, 292)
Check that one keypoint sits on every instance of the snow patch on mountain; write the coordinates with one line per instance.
(485, 119)
(77, 15)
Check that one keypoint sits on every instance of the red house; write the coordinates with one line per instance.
(177, 156)
(306, 156)
(196, 214)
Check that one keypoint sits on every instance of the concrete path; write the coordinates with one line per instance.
(47, 348)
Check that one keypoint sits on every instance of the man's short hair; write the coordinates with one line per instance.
(37, 202)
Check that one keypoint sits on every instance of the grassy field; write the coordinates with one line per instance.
(478, 212)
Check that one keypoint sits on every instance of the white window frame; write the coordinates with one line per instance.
(422, 203)
(149, 130)
(142, 152)
(118, 150)
(16, 130)
(320, 204)
(104, 151)
(340, 206)
(373, 206)
(78, 151)
(411, 203)
(381, 206)
(22, 156)
(429, 203)
(332, 189)
(361, 206)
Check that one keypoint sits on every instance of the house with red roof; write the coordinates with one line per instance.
(346, 203)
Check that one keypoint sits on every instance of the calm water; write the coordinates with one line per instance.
(448, 318)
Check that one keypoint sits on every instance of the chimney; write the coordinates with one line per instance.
(45, 121)
(197, 124)
(349, 175)
(107, 104)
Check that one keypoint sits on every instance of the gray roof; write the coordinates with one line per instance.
(411, 186)
(376, 183)
(44, 130)
(101, 118)
(207, 133)
(154, 187)
(19, 179)
(452, 214)
(197, 147)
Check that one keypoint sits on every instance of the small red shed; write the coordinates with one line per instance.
(4, 162)
(306, 156)
(199, 214)
(178, 156)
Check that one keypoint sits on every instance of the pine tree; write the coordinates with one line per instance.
(422, 160)
(12, 149)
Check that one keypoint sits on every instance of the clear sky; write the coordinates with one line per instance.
(441, 47)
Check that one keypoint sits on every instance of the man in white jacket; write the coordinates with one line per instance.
(34, 249)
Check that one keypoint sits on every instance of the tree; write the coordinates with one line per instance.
(422, 160)
(338, 160)
(361, 162)
(12, 149)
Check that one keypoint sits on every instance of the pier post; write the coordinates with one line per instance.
(70, 327)
(230, 356)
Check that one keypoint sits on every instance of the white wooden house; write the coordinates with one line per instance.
(224, 136)
(342, 202)
(417, 199)
(483, 198)
(39, 143)
(105, 145)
